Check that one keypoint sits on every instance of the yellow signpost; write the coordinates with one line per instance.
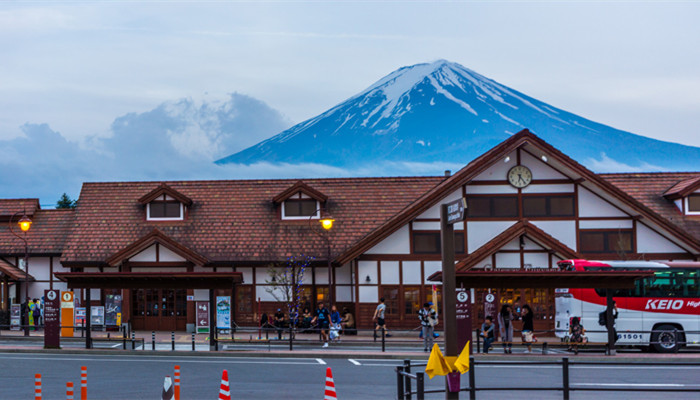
(67, 305)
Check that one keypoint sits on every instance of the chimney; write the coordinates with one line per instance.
(448, 173)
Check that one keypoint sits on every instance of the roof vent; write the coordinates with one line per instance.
(448, 173)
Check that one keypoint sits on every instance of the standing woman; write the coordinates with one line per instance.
(505, 328)
(528, 327)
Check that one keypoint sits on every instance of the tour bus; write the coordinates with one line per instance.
(654, 311)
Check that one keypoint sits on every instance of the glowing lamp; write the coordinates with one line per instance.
(327, 223)
(24, 223)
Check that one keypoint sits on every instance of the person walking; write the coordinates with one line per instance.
(379, 317)
(279, 323)
(576, 334)
(37, 314)
(528, 330)
(428, 320)
(335, 324)
(324, 321)
(505, 328)
(488, 333)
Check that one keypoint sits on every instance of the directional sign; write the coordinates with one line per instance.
(455, 210)
(202, 316)
(464, 317)
(52, 319)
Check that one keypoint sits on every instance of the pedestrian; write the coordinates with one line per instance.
(37, 313)
(348, 321)
(279, 323)
(488, 333)
(505, 328)
(528, 330)
(335, 323)
(379, 317)
(322, 317)
(32, 306)
(428, 320)
(576, 334)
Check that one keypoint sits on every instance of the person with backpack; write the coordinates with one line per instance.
(428, 320)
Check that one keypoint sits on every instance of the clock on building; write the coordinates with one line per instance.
(519, 176)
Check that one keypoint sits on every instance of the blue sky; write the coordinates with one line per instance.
(77, 70)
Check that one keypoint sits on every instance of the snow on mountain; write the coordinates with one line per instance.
(442, 111)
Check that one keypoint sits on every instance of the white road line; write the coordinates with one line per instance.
(114, 346)
(631, 384)
(320, 361)
(182, 361)
(354, 362)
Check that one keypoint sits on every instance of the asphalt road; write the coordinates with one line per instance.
(141, 377)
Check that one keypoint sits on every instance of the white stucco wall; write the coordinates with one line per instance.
(606, 224)
(411, 272)
(390, 272)
(498, 171)
(368, 294)
(396, 243)
(591, 205)
(434, 211)
(563, 231)
(507, 260)
(547, 188)
(540, 169)
(480, 232)
(536, 260)
(343, 274)
(367, 268)
(649, 241)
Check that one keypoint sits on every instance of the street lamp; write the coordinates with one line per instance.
(24, 224)
(327, 224)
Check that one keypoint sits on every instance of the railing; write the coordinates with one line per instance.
(405, 392)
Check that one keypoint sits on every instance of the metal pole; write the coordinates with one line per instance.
(212, 320)
(133, 340)
(88, 322)
(478, 341)
(565, 376)
(383, 340)
(124, 340)
(331, 298)
(290, 336)
(399, 383)
(153, 340)
(420, 386)
(26, 283)
(449, 299)
(193, 342)
(407, 381)
(172, 341)
(472, 380)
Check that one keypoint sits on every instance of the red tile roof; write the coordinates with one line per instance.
(8, 207)
(237, 220)
(46, 236)
(648, 188)
(683, 188)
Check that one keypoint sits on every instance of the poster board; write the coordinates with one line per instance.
(97, 315)
(67, 308)
(15, 317)
(223, 312)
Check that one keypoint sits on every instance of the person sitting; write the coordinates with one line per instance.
(576, 334)
(306, 318)
(347, 323)
(488, 333)
(279, 323)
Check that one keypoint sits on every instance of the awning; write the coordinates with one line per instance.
(13, 272)
(546, 278)
(150, 280)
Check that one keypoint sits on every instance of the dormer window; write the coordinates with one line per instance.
(300, 206)
(165, 208)
(692, 204)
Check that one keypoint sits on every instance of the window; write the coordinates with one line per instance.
(303, 208)
(548, 206)
(613, 241)
(682, 283)
(492, 206)
(429, 242)
(165, 208)
(391, 300)
(411, 300)
(693, 202)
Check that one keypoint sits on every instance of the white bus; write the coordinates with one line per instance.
(658, 308)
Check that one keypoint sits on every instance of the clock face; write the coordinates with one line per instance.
(519, 176)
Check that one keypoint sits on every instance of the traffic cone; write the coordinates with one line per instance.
(224, 391)
(168, 389)
(330, 386)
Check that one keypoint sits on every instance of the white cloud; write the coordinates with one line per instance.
(607, 164)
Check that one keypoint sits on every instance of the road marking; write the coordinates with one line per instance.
(169, 360)
(114, 346)
(354, 362)
(632, 384)
(321, 361)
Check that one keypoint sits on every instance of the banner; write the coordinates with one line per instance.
(113, 308)
(223, 312)
(80, 317)
(97, 315)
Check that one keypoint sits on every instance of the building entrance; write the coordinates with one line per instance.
(159, 309)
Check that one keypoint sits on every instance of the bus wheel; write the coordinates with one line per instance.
(664, 340)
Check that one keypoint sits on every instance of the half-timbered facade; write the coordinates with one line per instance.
(528, 206)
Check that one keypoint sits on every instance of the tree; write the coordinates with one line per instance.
(65, 202)
(285, 285)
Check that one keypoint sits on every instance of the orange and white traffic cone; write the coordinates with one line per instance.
(69, 391)
(330, 386)
(225, 390)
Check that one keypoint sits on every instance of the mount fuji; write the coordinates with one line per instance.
(444, 112)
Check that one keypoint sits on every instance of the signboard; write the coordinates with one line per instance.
(15, 317)
(223, 312)
(190, 297)
(455, 210)
(97, 315)
(113, 309)
(490, 301)
(202, 315)
(67, 306)
(464, 318)
(80, 317)
(52, 319)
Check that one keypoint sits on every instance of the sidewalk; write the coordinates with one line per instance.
(401, 345)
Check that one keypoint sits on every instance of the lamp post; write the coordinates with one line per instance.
(327, 224)
(24, 224)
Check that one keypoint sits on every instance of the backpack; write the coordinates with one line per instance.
(602, 318)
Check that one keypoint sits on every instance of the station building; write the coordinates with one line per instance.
(528, 206)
